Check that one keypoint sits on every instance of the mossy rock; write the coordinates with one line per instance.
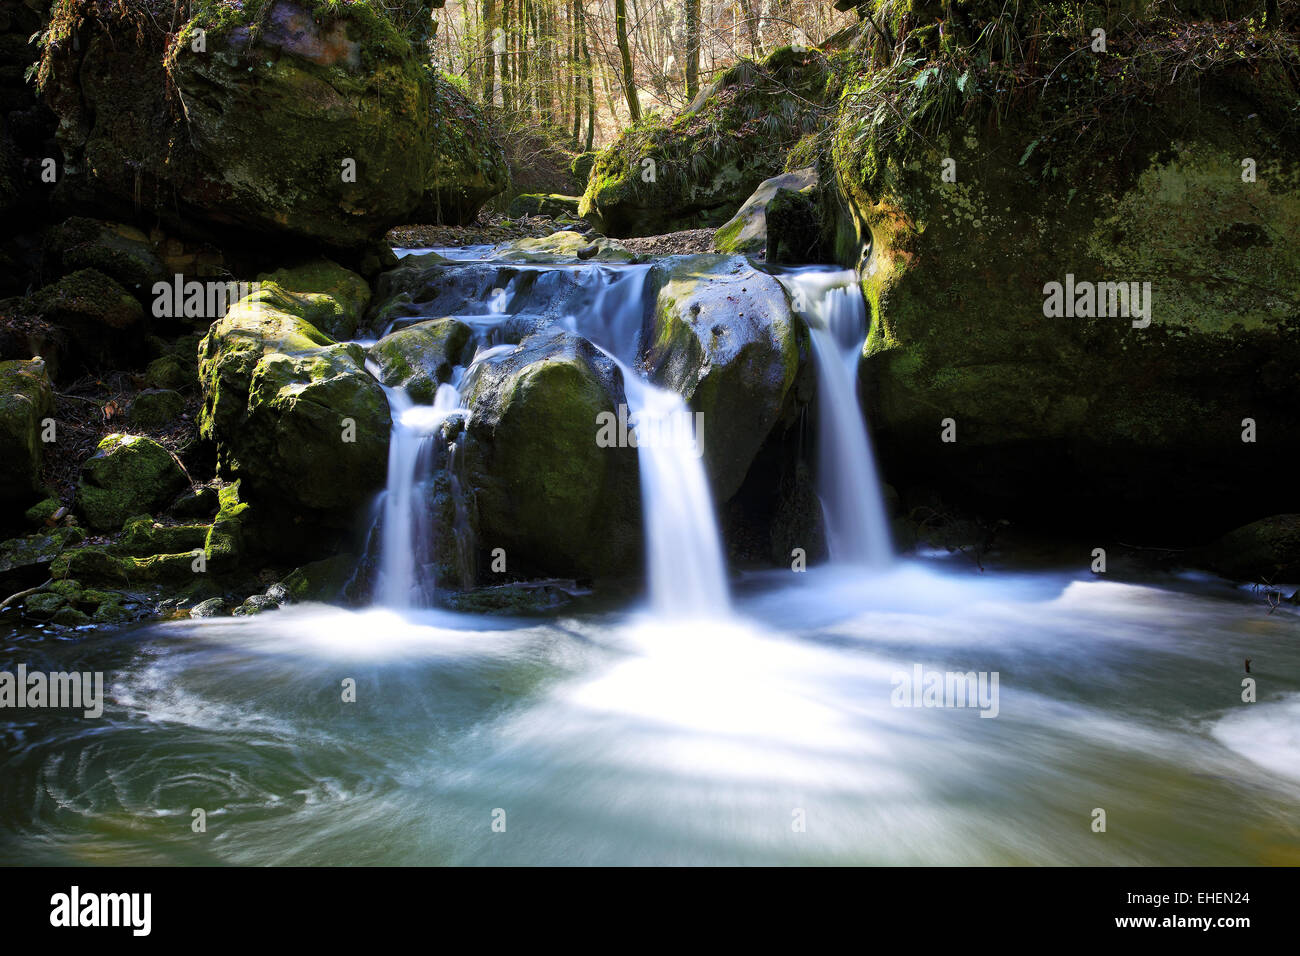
(142, 536)
(563, 246)
(26, 400)
(467, 164)
(421, 357)
(103, 322)
(35, 550)
(119, 251)
(321, 580)
(169, 373)
(580, 168)
(156, 406)
(43, 511)
(696, 169)
(201, 502)
(295, 415)
(308, 119)
(551, 205)
(746, 231)
(1137, 426)
(226, 542)
(330, 297)
(128, 475)
(558, 503)
(724, 338)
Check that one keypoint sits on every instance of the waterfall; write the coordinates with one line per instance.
(606, 304)
(857, 529)
(406, 576)
(685, 566)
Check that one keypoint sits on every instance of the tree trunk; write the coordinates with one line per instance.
(629, 79)
(692, 48)
(490, 52)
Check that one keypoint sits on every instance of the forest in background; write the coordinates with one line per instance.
(579, 71)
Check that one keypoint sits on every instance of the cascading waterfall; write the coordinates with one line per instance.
(406, 578)
(857, 528)
(685, 566)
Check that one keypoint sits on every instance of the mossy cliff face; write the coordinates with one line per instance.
(303, 118)
(697, 169)
(294, 414)
(1070, 417)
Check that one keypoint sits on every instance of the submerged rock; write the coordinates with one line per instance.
(545, 491)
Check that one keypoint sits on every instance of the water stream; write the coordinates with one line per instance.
(760, 721)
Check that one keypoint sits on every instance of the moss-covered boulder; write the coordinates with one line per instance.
(746, 231)
(330, 297)
(696, 169)
(26, 400)
(306, 118)
(320, 580)
(142, 536)
(724, 338)
(128, 475)
(1263, 552)
(580, 168)
(551, 205)
(35, 551)
(1098, 307)
(119, 251)
(104, 323)
(564, 246)
(421, 357)
(294, 414)
(156, 406)
(467, 164)
(545, 491)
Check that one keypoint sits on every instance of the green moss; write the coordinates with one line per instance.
(128, 475)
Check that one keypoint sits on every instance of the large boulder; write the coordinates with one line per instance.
(128, 475)
(26, 399)
(1263, 552)
(330, 297)
(722, 335)
(546, 492)
(1063, 415)
(551, 205)
(293, 117)
(696, 170)
(119, 251)
(294, 414)
(103, 322)
(467, 165)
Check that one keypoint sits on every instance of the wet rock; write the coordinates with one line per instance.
(747, 232)
(420, 357)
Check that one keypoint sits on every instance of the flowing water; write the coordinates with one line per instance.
(857, 530)
(616, 738)
(774, 725)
